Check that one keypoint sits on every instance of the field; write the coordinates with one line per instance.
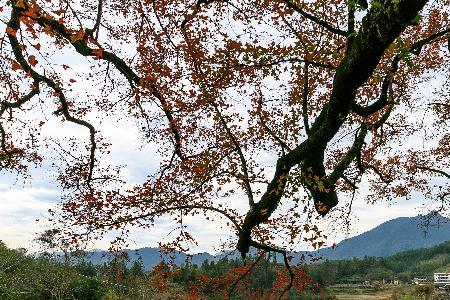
(386, 292)
(347, 292)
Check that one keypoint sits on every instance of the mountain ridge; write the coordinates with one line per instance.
(393, 236)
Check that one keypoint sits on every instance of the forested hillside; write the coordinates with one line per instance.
(403, 265)
(43, 277)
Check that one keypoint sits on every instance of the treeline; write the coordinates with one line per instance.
(25, 277)
(265, 279)
(46, 277)
(403, 266)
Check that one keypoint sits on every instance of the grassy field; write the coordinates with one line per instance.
(347, 292)
(386, 292)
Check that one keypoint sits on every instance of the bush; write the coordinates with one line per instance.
(85, 288)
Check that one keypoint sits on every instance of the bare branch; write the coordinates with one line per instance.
(98, 19)
(339, 169)
(305, 98)
(173, 208)
(315, 19)
(246, 178)
(349, 182)
(263, 64)
(235, 283)
(15, 24)
(434, 170)
(383, 98)
(274, 136)
(285, 259)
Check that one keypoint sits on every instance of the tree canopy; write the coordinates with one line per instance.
(254, 105)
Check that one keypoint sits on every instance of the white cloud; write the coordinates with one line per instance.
(20, 207)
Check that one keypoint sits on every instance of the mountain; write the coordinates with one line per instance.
(150, 257)
(393, 236)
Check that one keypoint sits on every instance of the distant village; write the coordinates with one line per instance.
(440, 280)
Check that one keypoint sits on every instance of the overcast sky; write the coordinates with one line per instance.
(22, 203)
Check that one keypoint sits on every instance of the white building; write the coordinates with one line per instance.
(441, 278)
(420, 280)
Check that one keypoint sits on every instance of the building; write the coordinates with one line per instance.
(420, 280)
(391, 281)
(441, 279)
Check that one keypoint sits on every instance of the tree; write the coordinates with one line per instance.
(327, 90)
(137, 268)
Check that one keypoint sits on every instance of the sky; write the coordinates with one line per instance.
(24, 205)
(21, 206)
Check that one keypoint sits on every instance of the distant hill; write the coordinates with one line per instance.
(391, 237)
(403, 265)
(150, 257)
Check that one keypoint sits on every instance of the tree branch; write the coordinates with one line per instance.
(82, 48)
(14, 23)
(434, 170)
(286, 263)
(305, 98)
(339, 169)
(315, 19)
(235, 283)
(246, 178)
(378, 30)
(173, 208)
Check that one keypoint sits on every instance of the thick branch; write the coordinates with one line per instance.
(82, 48)
(378, 30)
(173, 208)
(315, 19)
(15, 45)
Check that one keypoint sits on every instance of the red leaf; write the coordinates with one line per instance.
(32, 60)
(20, 4)
(10, 31)
(16, 66)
